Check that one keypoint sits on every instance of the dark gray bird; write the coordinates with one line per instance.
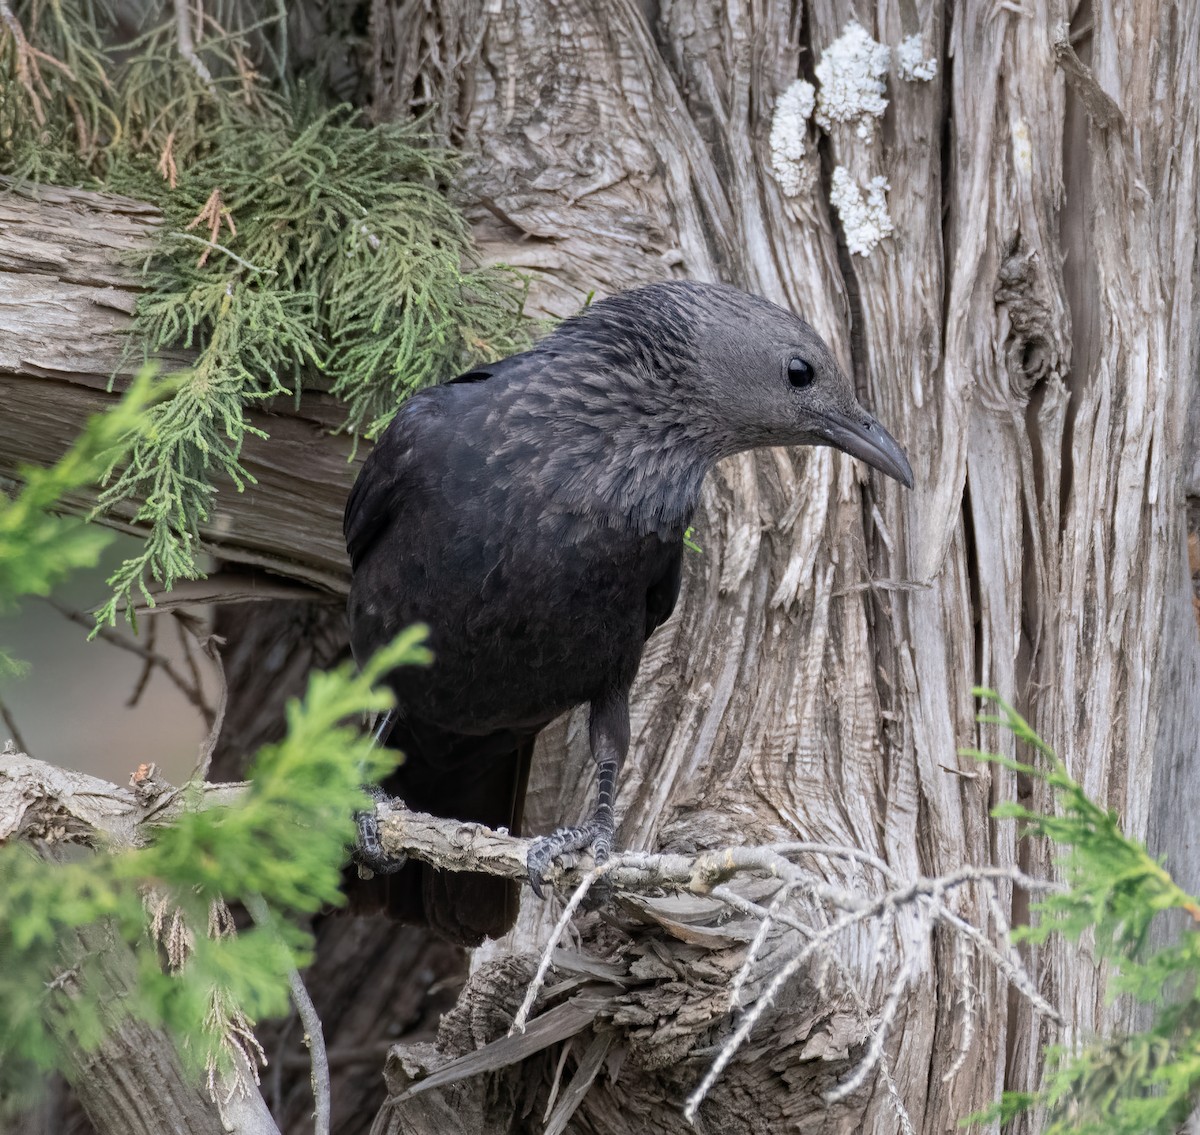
(532, 513)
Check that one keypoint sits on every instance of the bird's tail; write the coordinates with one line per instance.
(479, 779)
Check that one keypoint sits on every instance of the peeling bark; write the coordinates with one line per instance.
(1029, 331)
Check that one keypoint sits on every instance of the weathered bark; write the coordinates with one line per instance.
(68, 284)
(1030, 333)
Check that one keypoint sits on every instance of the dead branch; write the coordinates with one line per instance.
(191, 689)
(38, 799)
(187, 47)
(314, 1033)
(10, 723)
(65, 303)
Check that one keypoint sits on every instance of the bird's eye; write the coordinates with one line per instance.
(800, 372)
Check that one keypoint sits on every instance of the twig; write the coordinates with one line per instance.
(764, 1002)
(10, 723)
(314, 1035)
(835, 851)
(1101, 108)
(214, 246)
(745, 906)
(187, 47)
(557, 1082)
(765, 923)
(931, 892)
(902, 1116)
(1012, 971)
(887, 1018)
(185, 634)
(188, 628)
(966, 998)
(191, 628)
(209, 745)
(882, 585)
(193, 695)
(143, 679)
(338, 1057)
(560, 928)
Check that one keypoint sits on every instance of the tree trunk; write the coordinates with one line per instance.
(1028, 331)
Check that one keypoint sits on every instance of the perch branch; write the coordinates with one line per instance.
(29, 789)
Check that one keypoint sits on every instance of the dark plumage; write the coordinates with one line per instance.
(532, 513)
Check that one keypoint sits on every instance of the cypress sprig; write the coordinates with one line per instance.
(300, 245)
(1144, 1083)
(89, 941)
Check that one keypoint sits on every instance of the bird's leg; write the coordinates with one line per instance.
(610, 741)
(369, 851)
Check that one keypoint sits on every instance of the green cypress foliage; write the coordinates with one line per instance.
(301, 247)
(38, 550)
(1146, 1083)
(282, 842)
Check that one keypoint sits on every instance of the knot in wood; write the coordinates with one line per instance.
(1032, 348)
(711, 869)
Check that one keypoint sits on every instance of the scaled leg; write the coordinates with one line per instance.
(609, 735)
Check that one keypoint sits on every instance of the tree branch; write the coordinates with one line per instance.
(66, 300)
(35, 798)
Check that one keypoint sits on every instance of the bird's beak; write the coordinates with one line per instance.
(863, 437)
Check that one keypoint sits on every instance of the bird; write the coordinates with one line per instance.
(532, 514)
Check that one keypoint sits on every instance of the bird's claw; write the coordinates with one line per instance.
(593, 835)
(368, 852)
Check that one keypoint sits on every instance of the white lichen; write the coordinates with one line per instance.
(865, 221)
(851, 74)
(913, 64)
(789, 137)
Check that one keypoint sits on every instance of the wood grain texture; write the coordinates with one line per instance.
(1030, 333)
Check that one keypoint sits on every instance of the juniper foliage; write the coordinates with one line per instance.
(1147, 1082)
(283, 841)
(301, 247)
(38, 549)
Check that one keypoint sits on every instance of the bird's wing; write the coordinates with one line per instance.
(394, 471)
(662, 593)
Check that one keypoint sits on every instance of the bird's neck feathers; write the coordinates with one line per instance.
(626, 434)
(638, 484)
(623, 447)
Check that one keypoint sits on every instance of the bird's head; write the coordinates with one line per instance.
(754, 374)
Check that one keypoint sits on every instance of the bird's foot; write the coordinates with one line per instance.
(597, 834)
(368, 852)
